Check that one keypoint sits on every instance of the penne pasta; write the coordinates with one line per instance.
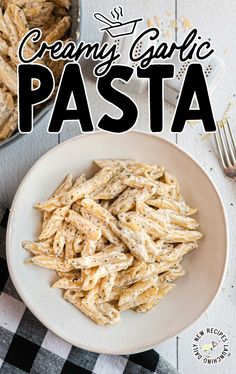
(78, 241)
(107, 284)
(114, 188)
(89, 247)
(172, 180)
(101, 244)
(95, 274)
(68, 284)
(84, 225)
(104, 227)
(133, 242)
(142, 298)
(3, 27)
(8, 75)
(139, 223)
(40, 14)
(109, 312)
(128, 298)
(137, 181)
(12, 34)
(99, 180)
(167, 203)
(49, 205)
(70, 275)
(4, 49)
(171, 275)
(155, 299)
(38, 248)
(182, 236)
(70, 233)
(46, 217)
(97, 211)
(116, 240)
(51, 262)
(65, 186)
(81, 179)
(155, 173)
(59, 30)
(63, 3)
(153, 214)
(98, 259)
(54, 222)
(114, 163)
(127, 200)
(180, 220)
(17, 17)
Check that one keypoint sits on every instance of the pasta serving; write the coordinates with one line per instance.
(17, 17)
(116, 240)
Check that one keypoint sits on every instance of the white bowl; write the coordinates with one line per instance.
(204, 267)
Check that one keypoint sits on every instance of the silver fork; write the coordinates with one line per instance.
(226, 146)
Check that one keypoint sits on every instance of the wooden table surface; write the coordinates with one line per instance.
(216, 20)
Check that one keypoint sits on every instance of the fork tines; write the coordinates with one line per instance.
(225, 143)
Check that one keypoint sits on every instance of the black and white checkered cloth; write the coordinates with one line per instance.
(26, 346)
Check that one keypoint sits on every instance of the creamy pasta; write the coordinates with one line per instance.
(116, 240)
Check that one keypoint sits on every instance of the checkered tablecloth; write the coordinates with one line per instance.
(26, 346)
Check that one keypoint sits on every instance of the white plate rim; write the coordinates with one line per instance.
(47, 324)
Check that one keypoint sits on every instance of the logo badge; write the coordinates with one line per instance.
(210, 346)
